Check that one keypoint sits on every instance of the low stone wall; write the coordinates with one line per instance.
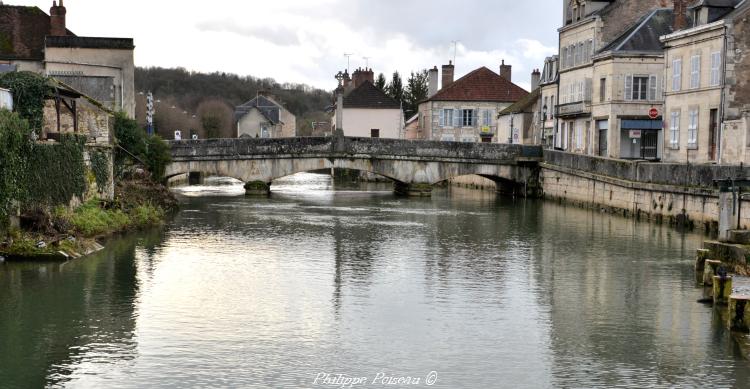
(654, 191)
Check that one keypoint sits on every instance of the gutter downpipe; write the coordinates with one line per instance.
(722, 114)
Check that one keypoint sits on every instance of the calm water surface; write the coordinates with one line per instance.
(486, 292)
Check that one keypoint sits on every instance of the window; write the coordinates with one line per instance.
(486, 117)
(467, 118)
(602, 90)
(695, 72)
(579, 136)
(676, 75)
(551, 108)
(652, 87)
(715, 69)
(674, 130)
(375, 133)
(564, 57)
(693, 129)
(446, 118)
(636, 87)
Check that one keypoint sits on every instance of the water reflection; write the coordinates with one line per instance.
(487, 291)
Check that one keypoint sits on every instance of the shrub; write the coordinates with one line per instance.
(157, 157)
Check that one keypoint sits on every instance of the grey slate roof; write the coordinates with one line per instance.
(368, 95)
(268, 108)
(644, 35)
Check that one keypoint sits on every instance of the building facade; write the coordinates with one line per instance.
(596, 67)
(101, 68)
(466, 110)
(548, 99)
(706, 97)
(366, 110)
(263, 117)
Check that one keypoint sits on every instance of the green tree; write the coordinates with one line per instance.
(157, 156)
(131, 141)
(381, 82)
(395, 88)
(416, 91)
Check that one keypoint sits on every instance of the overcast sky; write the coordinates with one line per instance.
(304, 41)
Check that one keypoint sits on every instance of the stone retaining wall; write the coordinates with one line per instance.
(655, 191)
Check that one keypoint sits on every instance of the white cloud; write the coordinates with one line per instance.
(304, 41)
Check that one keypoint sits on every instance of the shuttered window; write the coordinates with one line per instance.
(695, 72)
(715, 69)
(674, 130)
(693, 128)
(676, 75)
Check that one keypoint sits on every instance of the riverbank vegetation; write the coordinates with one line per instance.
(64, 195)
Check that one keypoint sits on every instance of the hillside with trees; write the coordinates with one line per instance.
(203, 103)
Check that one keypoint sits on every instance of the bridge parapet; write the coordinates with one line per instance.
(343, 147)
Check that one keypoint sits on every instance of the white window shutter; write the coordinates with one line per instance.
(629, 87)
(442, 118)
(456, 118)
(652, 87)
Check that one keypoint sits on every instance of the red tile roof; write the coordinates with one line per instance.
(481, 85)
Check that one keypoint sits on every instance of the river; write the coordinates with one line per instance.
(461, 290)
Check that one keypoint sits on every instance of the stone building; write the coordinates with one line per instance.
(101, 68)
(627, 102)
(707, 95)
(519, 123)
(366, 110)
(548, 99)
(466, 110)
(263, 117)
(590, 28)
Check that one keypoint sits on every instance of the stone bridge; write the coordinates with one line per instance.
(414, 166)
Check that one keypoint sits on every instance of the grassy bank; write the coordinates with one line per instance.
(63, 232)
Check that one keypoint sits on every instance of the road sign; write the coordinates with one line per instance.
(653, 113)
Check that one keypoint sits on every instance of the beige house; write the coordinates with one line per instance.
(590, 28)
(367, 111)
(707, 97)
(263, 117)
(466, 110)
(548, 99)
(101, 68)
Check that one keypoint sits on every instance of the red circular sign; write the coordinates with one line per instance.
(653, 113)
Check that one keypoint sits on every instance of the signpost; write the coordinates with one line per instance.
(653, 113)
(150, 113)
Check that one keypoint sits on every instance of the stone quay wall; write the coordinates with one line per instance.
(674, 193)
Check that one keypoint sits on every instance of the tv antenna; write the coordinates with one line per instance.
(367, 62)
(455, 50)
(348, 60)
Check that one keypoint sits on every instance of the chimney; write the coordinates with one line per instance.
(536, 76)
(432, 82)
(506, 71)
(680, 15)
(361, 75)
(57, 19)
(347, 81)
(448, 71)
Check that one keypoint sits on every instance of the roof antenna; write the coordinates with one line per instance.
(348, 59)
(455, 50)
(367, 62)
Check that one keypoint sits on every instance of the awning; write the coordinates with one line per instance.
(641, 125)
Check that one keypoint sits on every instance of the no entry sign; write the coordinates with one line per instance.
(653, 113)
